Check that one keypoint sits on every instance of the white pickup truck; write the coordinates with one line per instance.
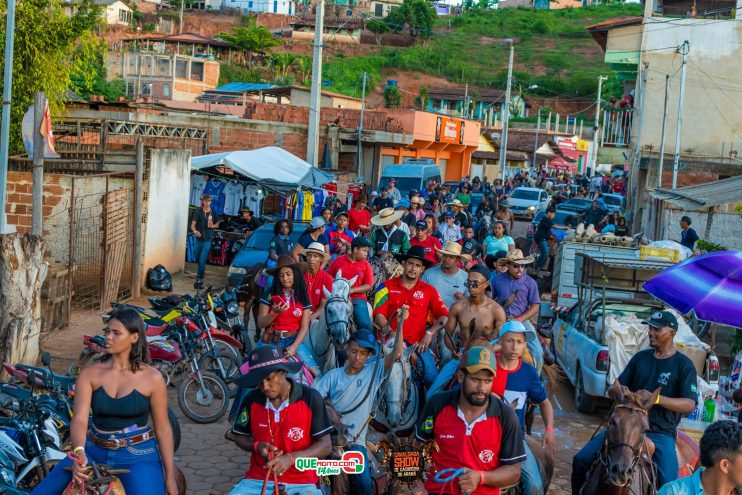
(606, 286)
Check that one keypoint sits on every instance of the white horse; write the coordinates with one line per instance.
(400, 405)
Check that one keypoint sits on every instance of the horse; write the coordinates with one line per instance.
(485, 226)
(401, 401)
(624, 463)
(248, 293)
(333, 328)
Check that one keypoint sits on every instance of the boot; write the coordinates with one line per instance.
(198, 284)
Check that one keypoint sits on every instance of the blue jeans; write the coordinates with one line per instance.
(254, 487)
(530, 476)
(543, 254)
(664, 458)
(427, 366)
(361, 483)
(201, 252)
(361, 315)
(142, 460)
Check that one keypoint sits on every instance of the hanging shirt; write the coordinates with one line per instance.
(198, 182)
(215, 189)
(253, 197)
(308, 204)
(233, 194)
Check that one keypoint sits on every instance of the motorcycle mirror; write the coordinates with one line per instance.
(46, 358)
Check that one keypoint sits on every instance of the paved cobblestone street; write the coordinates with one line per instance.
(212, 464)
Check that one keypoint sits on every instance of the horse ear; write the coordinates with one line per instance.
(327, 292)
(650, 402)
(514, 404)
(352, 281)
(616, 392)
(339, 275)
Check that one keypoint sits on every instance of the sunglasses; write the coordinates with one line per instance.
(473, 284)
(518, 267)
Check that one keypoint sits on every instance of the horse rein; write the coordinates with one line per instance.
(605, 460)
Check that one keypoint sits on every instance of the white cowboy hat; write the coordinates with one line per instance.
(516, 257)
(418, 199)
(451, 248)
(387, 216)
(316, 248)
(456, 202)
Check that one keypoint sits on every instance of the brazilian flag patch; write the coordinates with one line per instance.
(244, 418)
(381, 296)
(428, 424)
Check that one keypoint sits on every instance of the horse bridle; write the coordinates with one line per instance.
(605, 453)
(329, 323)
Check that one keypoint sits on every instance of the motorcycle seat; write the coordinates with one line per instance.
(155, 326)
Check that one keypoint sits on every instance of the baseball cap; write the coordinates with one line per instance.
(479, 358)
(364, 338)
(421, 224)
(317, 222)
(360, 241)
(447, 214)
(516, 326)
(660, 319)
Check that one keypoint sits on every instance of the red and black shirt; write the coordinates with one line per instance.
(297, 424)
(289, 320)
(492, 440)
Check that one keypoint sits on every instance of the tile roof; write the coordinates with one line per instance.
(710, 194)
(522, 140)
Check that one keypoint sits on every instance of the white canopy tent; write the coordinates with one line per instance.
(272, 167)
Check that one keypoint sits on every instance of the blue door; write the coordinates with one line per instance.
(275, 6)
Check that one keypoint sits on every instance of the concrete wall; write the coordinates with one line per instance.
(726, 228)
(166, 223)
(711, 116)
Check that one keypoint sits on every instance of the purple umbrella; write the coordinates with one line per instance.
(710, 285)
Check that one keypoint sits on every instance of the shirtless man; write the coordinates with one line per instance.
(487, 315)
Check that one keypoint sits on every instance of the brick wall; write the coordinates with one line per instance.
(19, 204)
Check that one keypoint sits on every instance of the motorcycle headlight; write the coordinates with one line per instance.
(232, 308)
(237, 270)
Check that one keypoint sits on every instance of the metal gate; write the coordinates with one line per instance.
(101, 240)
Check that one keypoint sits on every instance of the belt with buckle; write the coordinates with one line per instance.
(284, 334)
(112, 442)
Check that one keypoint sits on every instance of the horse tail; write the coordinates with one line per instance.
(553, 375)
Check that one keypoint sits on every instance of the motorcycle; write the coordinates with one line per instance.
(227, 312)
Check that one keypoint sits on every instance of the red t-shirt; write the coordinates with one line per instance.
(289, 320)
(428, 245)
(350, 269)
(315, 283)
(357, 218)
(490, 441)
(422, 299)
(300, 422)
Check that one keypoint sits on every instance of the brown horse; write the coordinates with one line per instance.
(249, 294)
(624, 463)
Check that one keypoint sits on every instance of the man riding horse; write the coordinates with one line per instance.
(663, 367)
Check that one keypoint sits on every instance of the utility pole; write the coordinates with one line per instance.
(180, 21)
(662, 137)
(315, 96)
(535, 143)
(506, 116)
(359, 153)
(37, 196)
(465, 110)
(136, 275)
(5, 120)
(633, 196)
(596, 125)
(683, 49)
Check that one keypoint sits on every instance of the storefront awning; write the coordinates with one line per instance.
(272, 167)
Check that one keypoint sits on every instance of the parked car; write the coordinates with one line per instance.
(255, 251)
(562, 217)
(614, 202)
(527, 201)
(584, 203)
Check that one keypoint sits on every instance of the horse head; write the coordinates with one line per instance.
(627, 427)
(339, 433)
(338, 309)
(397, 394)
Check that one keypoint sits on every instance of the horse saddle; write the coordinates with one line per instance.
(687, 451)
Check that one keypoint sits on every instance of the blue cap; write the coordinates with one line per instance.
(364, 338)
(517, 327)
(447, 214)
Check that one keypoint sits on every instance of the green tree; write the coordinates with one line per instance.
(44, 42)
(392, 97)
(251, 38)
(421, 100)
(89, 75)
(417, 15)
(378, 28)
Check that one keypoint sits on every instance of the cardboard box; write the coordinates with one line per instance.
(696, 354)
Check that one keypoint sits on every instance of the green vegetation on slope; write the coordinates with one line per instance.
(552, 50)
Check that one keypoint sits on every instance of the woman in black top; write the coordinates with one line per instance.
(121, 391)
(621, 228)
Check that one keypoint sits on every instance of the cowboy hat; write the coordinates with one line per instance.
(263, 361)
(516, 257)
(286, 260)
(418, 199)
(386, 216)
(451, 248)
(456, 202)
(415, 252)
(316, 248)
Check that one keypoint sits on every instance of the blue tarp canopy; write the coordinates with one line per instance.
(272, 167)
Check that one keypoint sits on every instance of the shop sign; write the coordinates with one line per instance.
(448, 130)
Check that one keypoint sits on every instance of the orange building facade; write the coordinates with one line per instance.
(449, 141)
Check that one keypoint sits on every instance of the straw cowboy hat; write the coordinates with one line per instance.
(387, 216)
(287, 260)
(516, 257)
(316, 248)
(456, 202)
(417, 199)
(451, 248)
